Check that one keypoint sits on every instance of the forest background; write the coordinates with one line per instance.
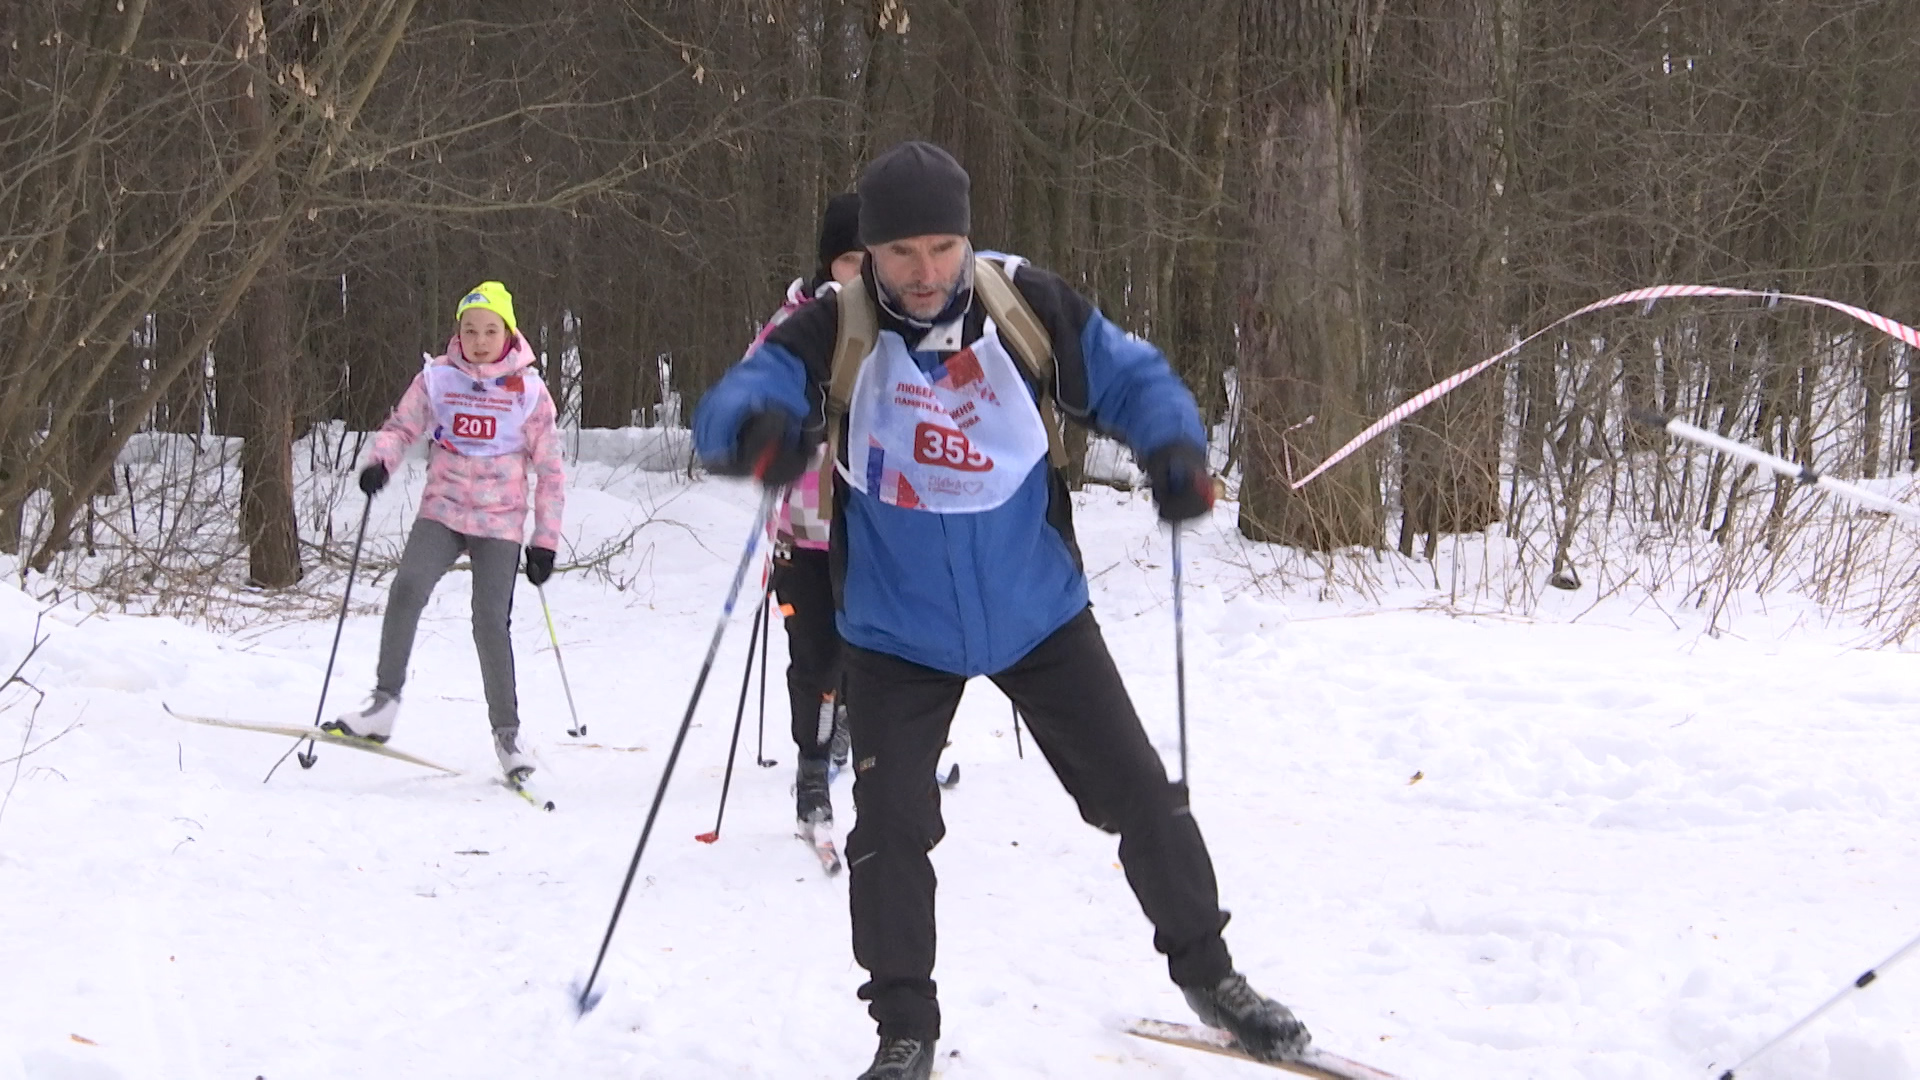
(241, 223)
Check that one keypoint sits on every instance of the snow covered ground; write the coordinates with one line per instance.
(1593, 843)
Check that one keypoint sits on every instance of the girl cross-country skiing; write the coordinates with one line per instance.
(491, 420)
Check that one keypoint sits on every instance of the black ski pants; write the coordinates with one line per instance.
(1077, 709)
(804, 585)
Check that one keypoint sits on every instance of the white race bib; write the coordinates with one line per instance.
(480, 417)
(958, 440)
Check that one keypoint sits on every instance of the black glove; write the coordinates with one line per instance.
(539, 565)
(768, 449)
(373, 478)
(1182, 488)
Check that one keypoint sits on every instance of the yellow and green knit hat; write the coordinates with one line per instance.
(490, 296)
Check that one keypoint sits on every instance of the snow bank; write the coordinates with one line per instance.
(1597, 842)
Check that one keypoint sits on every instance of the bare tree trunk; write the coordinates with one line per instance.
(1303, 336)
(13, 458)
(1202, 340)
(1913, 408)
(265, 338)
(1450, 479)
(28, 342)
(1036, 63)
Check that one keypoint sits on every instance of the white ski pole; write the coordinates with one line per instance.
(1854, 987)
(578, 730)
(1805, 474)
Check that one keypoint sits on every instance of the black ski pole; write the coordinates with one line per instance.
(1019, 748)
(1179, 653)
(310, 755)
(578, 730)
(760, 757)
(586, 1000)
(739, 716)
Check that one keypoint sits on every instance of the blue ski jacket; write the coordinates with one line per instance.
(969, 593)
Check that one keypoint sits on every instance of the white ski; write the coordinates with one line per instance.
(300, 731)
(821, 841)
(1314, 1062)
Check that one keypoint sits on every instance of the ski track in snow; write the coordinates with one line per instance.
(1633, 850)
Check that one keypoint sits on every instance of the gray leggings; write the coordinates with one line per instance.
(431, 549)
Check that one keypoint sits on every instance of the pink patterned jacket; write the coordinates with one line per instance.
(799, 521)
(483, 496)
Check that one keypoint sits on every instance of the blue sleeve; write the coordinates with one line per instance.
(1133, 393)
(769, 378)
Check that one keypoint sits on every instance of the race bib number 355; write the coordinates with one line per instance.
(469, 426)
(948, 448)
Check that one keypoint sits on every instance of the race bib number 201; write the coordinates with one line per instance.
(469, 426)
(947, 448)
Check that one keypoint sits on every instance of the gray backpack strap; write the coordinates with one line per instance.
(1032, 345)
(858, 332)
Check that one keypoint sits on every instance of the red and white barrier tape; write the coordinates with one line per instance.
(1658, 292)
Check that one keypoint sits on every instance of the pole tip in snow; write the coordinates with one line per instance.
(1648, 417)
(707, 837)
(584, 1000)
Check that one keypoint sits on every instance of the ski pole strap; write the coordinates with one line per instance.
(1865, 979)
(1804, 474)
(1645, 296)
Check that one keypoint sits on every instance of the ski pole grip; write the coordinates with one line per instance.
(1648, 417)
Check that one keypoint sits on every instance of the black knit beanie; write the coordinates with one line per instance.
(914, 189)
(839, 234)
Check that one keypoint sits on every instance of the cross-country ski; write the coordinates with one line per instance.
(819, 839)
(1312, 1061)
(297, 731)
(527, 791)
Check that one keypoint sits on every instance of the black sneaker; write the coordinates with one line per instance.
(812, 802)
(1263, 1027)
(901, 1059)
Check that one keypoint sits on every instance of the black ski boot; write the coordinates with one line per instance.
(901, 1059)
(841, 745)
(812, 802)
(1264, 1028)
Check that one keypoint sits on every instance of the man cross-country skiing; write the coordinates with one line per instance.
(953, 555)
